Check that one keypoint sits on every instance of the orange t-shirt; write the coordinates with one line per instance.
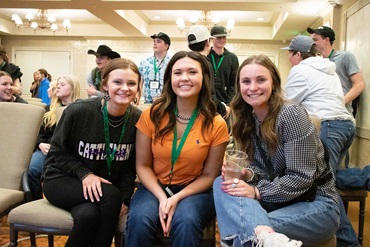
(190, 162)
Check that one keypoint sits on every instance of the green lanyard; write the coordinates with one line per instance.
(177, 150)
(215, 68)
(97, 82)
(331, 53)
(110, 155)
(156, 70)
(2, 65)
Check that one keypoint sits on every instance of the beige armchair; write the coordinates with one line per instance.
(19, 127)
(44, 218)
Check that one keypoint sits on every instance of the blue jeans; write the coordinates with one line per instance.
(337, 136)
(192, 215)
(353, 178)
(310, 222)
(34, 174)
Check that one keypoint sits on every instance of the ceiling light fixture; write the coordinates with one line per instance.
(41, 20)
(206, 19)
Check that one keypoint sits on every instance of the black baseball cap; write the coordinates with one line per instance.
(163, 37)
(323, 31)
(219, 31)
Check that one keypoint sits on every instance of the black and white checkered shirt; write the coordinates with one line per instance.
(298, 160)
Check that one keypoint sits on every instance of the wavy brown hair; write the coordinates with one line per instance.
(166, 103)
(243, 122)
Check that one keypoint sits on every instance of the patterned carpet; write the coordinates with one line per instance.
(59, 241)
(41, 240)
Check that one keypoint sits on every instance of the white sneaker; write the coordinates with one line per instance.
(274, 239)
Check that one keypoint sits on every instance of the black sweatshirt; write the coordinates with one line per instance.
(78, 147)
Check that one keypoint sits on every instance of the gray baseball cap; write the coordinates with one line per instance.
(300, 43)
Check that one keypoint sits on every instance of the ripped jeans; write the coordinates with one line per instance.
(309, 222)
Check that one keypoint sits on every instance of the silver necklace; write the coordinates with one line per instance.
(182, 121)
(114, 126)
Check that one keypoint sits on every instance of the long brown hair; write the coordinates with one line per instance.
(243, 122)
(166, 103)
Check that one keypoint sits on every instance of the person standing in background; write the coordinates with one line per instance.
(152, 68)
(198, 39)
(45, 79)
(34, 89)
(13, 70)
(352, 84)
(225, 65)
(103, 55)
(347, 68)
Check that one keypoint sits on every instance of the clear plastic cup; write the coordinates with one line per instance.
(236, 160)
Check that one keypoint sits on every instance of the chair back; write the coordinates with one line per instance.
(38, 103)
(19, 128)
(59, 113)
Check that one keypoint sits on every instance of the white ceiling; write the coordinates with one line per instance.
(283, 19)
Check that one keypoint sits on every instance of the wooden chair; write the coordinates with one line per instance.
(360, 197)
(19, 127)
(43, 218)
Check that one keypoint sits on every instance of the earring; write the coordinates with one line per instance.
(135, 100)
(106, 96)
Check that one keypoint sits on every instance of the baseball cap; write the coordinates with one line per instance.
(197, 34)
(163, 37)
(300, 43)
(324, 31)
(219, 31)
(104, 50)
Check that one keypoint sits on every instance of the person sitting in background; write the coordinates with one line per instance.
(34, 89)
(6, 89)
(103, 55)
(45, 79)
(292, 191)
(52, 88)
(181, 139)
(13, 70)
(90, 168)
(67, 91)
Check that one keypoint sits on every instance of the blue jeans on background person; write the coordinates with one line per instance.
(309, 222)
(34, 174)
(337, 137)
(192, 215)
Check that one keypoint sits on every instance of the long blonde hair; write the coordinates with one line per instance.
(50, 117)
(243, 122)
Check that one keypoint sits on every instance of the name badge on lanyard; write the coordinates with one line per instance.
(154, 84)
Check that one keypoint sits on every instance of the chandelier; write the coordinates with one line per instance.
(41, 20)
(206, 19)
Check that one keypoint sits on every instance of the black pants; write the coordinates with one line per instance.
(94, 223)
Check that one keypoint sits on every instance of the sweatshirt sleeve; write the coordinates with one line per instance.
(61, 150)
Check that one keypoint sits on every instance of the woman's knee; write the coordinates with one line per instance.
(86, 214)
